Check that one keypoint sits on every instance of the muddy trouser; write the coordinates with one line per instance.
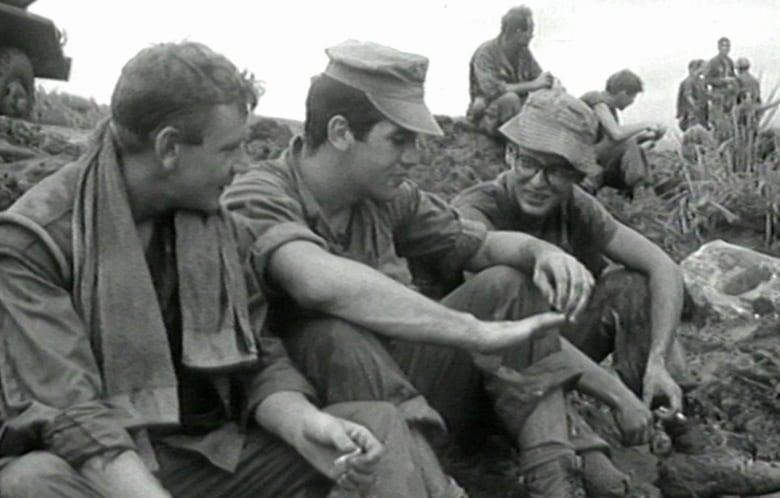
(268, 467)
(347, 362)
(499, 111)
(617, 321)
(624, 165)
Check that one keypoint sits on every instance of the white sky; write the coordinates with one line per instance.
(282, 41)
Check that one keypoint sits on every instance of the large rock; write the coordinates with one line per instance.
(733, 282)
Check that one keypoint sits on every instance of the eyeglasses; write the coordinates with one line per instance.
(558, 175)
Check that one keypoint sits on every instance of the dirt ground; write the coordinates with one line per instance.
(737, 364)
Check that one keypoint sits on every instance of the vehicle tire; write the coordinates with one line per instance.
(17, 83)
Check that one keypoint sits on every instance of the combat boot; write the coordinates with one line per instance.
(709, 461)
(560, 478)
(603, 480)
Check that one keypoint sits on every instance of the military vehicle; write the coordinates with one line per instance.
(30, 47)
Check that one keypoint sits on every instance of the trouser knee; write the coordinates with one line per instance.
(498, 293)
(330, 341)
(383, 419)
(40, 474)
(508, 105)
(346, 362)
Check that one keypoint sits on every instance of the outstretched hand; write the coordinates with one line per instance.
(344, 451)
(563, 281)
(496, 336)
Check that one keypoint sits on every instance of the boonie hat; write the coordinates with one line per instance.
(743, 62)
(555, 122)
(392, 80)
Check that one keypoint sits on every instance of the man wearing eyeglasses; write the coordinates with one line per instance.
(634, 309)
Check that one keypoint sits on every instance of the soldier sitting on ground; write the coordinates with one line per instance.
(132, 367)
(503, 71)
(618, 152)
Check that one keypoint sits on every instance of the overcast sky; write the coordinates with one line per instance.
(581, 42)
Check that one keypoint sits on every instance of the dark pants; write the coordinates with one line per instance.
(268, 467)
(624, 166)
(617, 321)
(347, 362)
(499, 111)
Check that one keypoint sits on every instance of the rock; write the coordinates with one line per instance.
(733, 282)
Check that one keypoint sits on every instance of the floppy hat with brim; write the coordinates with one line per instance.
(392, 80)
(555, 122)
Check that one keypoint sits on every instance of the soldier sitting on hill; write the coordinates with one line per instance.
(634, 310)
(131, 365)
(338, 221)
(503, 71)
(618, 151)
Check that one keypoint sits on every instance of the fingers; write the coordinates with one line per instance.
(582, 285)
(565, 283)
(341, 439)
(675, 399)
(371, 448)
(353, 480)
(545, 286)
(543, 322)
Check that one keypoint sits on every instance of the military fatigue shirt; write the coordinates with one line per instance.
(47, 359)
(490, 70)
(275, 199)
(581, 226)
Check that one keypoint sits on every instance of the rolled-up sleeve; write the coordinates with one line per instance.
(47, 368)
(486, 74)
(263, 204)
(426, 225)
(276, 372)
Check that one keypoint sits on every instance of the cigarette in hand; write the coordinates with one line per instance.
(341, 462)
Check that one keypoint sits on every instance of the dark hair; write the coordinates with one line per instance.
(176, 84)
(329, 97)
(724, 39)
(695, 64)
(516, 18)
(624, 80)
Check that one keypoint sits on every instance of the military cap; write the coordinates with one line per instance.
(392, 80)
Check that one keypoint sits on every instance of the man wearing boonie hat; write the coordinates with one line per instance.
(634, 310)
(340, 225)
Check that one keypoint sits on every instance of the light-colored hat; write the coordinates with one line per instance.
(392, 80)
(555, 122)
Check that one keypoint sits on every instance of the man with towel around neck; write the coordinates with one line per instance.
(130, 364)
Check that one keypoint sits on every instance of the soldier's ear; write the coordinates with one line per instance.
(167, 146)
(339, 133)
